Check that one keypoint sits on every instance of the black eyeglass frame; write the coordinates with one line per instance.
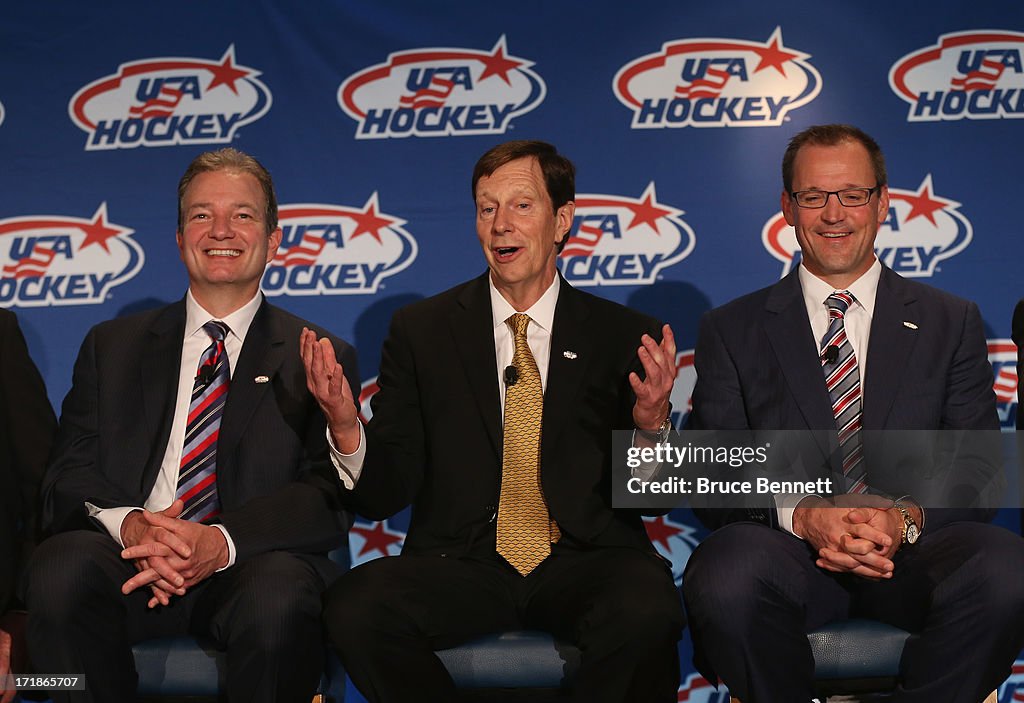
(829, 193)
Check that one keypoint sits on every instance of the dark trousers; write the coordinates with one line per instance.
(264, 611)
(752, 593)
(385, 618)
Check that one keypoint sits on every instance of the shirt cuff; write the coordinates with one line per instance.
(348, 466)
(231, 547)
(785, 505)
(110, 518)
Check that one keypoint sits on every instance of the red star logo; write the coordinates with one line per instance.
(377, 538)
(497, 65)
(659, 530)
(647, 213)
(923, 204)
(98, 231)
(226, 73)
(773, 55)
(369, 222)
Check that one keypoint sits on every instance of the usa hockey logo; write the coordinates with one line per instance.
(57, 260)
(976, 75)
(372, 540)
(168, 101)
(697, 689)
(921, 231)
(712, 82)
(440, 92)
(673, 540)
(682, 389)
(1002, 354)
(337, 250)
(617, 240)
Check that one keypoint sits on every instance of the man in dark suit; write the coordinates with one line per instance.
(448, 436)
(190, 488)
(27, 426)
(765, 577)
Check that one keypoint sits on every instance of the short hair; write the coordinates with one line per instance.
(559, 173)
(229, 159)
(832, 135)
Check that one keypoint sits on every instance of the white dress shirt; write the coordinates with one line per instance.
(196, 341)
(858, 330)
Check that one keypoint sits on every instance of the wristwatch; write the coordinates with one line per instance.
(911, 532)
(659, 435)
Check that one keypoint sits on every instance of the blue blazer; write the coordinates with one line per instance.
(927, 369)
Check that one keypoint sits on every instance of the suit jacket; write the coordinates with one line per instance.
(274, 476)
(27, 426)
(435, 438)
(758, 368)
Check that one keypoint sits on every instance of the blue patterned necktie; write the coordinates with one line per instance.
(197, 476)
(842, 377)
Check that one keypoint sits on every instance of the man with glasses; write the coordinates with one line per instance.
(845, 345)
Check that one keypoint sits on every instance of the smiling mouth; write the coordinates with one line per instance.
(834, 235)
(224, 252)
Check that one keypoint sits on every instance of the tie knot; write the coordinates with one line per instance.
(840, 301)
(518, 323)
(216, 329)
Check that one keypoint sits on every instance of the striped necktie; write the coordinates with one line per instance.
(197, 475)
(842, 377)
(525, 529)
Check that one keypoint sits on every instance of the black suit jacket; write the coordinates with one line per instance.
(27, 426)
(435, 438)
(274, 476)
(758, 368)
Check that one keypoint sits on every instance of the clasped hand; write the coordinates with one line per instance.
(857, 534)
(171, 554)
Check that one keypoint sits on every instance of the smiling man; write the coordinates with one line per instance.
(845, 346)
(191, 489)
(494, 420)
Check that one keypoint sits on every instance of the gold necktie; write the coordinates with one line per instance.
(525, 531)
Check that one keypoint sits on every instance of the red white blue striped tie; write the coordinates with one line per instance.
(843, 380)
(197, 476)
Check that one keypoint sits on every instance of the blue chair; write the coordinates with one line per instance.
(185, 666)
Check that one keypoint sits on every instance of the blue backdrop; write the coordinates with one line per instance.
(370, 115)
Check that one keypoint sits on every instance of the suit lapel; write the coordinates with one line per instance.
(789, 333)
(262, 355)
(888, 349)
(159, 370)
(471, 325)
(565, 371)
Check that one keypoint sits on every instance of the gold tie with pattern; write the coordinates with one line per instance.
(525, 530)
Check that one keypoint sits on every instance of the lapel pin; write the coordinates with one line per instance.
(569, 354)
(909, 325)
(262, 379)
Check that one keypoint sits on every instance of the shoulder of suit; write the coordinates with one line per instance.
(747, 304)
(292, 324)
(125, 324)
(911, 289)
(609, 311)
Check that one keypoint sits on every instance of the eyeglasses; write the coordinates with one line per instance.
(848, 197)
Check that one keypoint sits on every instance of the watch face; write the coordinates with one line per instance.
(912, 533)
